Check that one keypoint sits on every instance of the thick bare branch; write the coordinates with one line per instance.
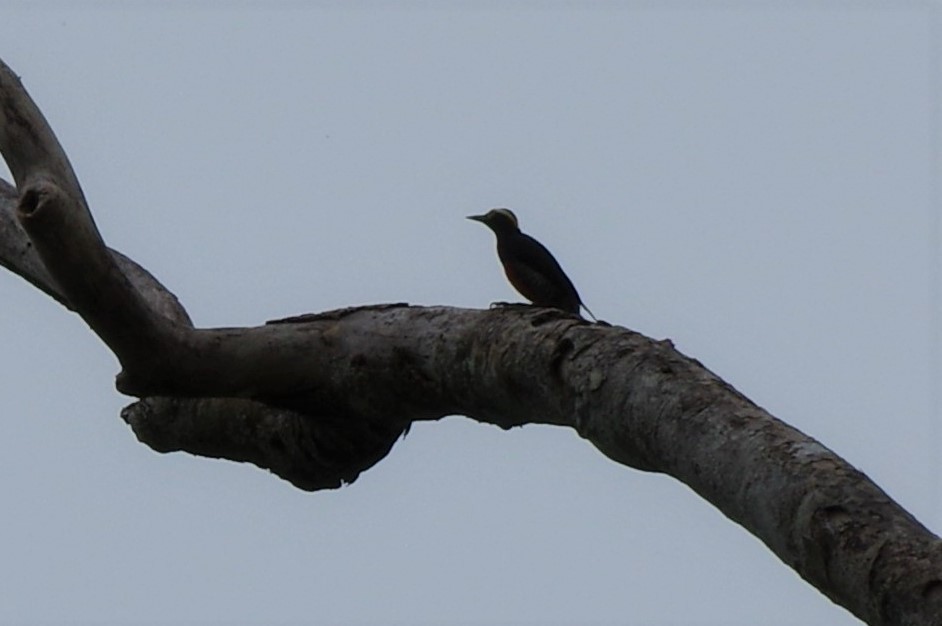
(18, 255)
(311, 454)
(29, 146)
(33, 154)
(16, 250)
(69, 245)
(367, 373)
(647, 406)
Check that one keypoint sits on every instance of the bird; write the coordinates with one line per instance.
(529, 266)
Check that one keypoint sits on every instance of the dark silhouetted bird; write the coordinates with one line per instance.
(529, 266)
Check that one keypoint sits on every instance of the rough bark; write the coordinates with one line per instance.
(319, 398)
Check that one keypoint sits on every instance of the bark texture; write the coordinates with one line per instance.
(319, 398)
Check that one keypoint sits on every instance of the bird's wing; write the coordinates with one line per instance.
(534, 272)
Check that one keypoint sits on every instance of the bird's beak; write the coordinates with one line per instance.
(478, 218)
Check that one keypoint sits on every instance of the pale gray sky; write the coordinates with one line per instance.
(757, 181)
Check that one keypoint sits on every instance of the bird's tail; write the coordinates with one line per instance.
(591, 314)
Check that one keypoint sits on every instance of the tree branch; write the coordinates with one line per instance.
(322, 397)
(18, 255)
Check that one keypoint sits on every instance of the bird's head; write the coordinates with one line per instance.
(498, 220)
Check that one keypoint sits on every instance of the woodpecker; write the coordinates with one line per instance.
(529, 266)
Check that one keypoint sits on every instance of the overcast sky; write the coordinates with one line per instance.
(757, 181)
